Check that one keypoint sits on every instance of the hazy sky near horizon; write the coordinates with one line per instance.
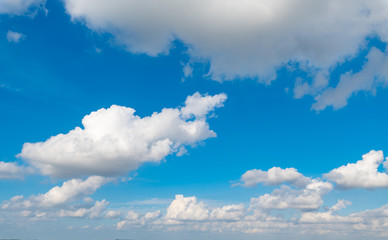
(193, 119)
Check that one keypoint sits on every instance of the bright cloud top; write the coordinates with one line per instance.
(187, 208)
(248, 38)
(114, 141)
(362, 174)
(20, 7)
(237, 218)
(274, 176)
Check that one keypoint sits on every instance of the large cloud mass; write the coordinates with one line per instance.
(249, 38)
(114, 141)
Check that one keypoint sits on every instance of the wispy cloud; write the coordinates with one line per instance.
(15, 37)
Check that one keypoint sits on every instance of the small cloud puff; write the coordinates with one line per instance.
(15, 37)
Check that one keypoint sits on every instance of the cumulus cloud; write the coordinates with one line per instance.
(274, 176)
(248, 38)
(70, 190)
(10, 170)
(302, 193)
(228, 212)
(235, 218)
(182, 214)
(307, 195)
(199, 106)
(20, 7)
(308, 198)
(115, 141)
(15, 37)
(362, 174)
(187, 208)
(69, 200)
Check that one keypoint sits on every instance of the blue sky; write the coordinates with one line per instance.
(218, 120)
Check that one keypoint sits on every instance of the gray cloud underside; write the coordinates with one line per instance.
(252, 39)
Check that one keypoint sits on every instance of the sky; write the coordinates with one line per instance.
(193, 119)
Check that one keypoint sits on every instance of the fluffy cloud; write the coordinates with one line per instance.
(114, 141)
(95, 211)
(245, 38)
(248, 38)
(228, 212)
(235, 218)
(308, 198)
(183, 210)
(20, 7)
(274, 176)
(362, 174)
(187, 208)
(14, 37)
(70, 190)
(69, 200)
(10, 170)
(304, 194)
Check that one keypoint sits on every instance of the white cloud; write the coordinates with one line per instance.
(274, 176)
(187, 208)
(248, 38)
(20, 7)
(308, 198)
(68, 200)
(10, 170)
(362, 174)
(235, 218)
(330, 216)
(245, 38)
(375, 221)
(96, 211)
(199, 106)
(114, 141)
(14, 37)
(70, 190)
(373, 74)
(228, 212)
